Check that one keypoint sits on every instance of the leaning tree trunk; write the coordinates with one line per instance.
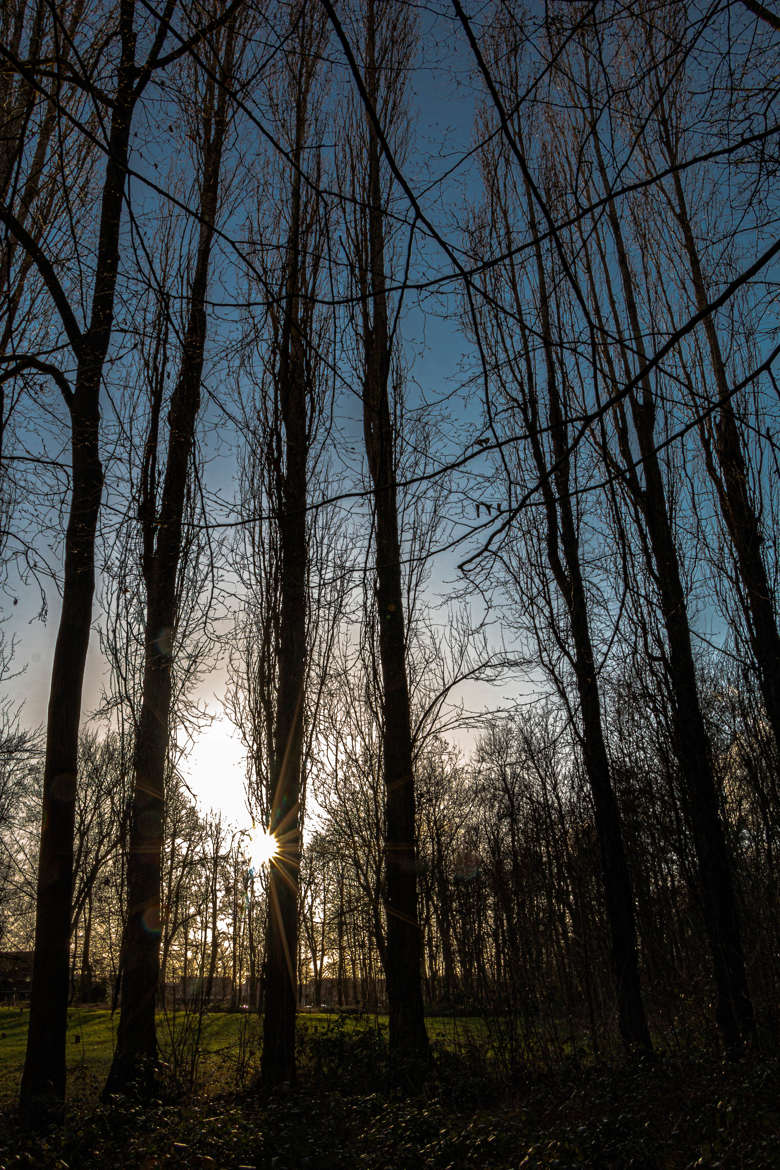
(732, 484)
(136, 1051)
(618, 889)
(43, 1079)
(562, 538)
(721, 917)
(734, 1010)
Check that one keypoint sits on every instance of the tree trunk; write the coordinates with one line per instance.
(136, 1051)
(278, 1058)
(403, 955)
(85, 976)
(43, 1080)
(214, 939)
(732, 484)
(561, 533)
(278, 1061)
(734, 1011)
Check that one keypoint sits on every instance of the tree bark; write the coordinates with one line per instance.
(43, 1079)
(280, 1003)
(734, 1010)
(403, 953)
(562, 535)
(136, 1051)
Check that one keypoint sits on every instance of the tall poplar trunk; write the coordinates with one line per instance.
(43, 1079)
(562, 537)
(281, 968)
(403, 952)
(278, 1060)
(734, 1010)
(136, 1051)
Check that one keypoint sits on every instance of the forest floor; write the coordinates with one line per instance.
(350, 1108)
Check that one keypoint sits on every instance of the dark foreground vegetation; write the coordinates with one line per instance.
(352, 1107)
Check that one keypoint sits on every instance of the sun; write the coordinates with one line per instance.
(263, 847)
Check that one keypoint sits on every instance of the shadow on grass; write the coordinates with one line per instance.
(350, 1108)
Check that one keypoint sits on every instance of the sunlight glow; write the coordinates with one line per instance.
(263, 848)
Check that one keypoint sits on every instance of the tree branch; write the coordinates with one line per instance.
(763, 13)
(46, 269)
(54, 372)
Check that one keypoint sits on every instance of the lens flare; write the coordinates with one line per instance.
(263, 848)
(150, 920)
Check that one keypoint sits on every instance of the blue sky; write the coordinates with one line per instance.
(437, 356)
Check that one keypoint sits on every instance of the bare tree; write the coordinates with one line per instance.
(43, 1081)
(271, 699)
(386, 40)
(650, 500)
(162, 520)
(539, 403)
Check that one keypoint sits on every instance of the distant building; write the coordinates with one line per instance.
(16, 969)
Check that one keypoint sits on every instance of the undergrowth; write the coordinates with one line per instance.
(354, 1106)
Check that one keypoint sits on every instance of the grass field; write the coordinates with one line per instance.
(219, 1055)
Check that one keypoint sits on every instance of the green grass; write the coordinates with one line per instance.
(90, 1045)
(225, 1039)
(222, 1055)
